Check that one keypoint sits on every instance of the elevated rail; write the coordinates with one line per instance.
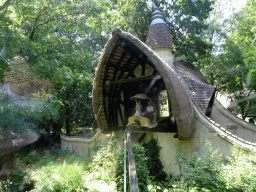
(133, 180)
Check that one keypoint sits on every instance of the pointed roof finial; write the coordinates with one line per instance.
(157, 16)
(158, 32)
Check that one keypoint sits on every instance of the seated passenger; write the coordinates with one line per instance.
(150, 112)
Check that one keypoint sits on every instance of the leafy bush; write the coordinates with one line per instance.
(211, 172)
(51, 170)
(141, 168)
(60, 176)
(59, 170)
(15, 180)
(203, 171)
(240, 172)
(155, 166)
(104, 163)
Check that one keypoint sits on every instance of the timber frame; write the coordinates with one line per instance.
(127, 67)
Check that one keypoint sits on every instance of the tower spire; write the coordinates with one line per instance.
(158, 37)
(158, 32)
(157, 16)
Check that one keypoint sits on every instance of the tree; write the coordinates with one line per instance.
(244, 36)
(8, 36)
(61, 40)
(132, 16)
(186, 20)
(215, 35)
(233, 76)
(74, 102)
(238, 61)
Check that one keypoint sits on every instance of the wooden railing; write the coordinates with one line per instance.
(131, 163)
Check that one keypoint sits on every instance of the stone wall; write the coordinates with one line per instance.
(88, 147)
(206, 130)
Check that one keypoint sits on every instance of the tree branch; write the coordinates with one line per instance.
(33, 29)
(58, 18)
(5, 5)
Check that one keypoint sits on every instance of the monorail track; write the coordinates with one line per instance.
(133, 180)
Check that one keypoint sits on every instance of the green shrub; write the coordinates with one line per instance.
(59, 170)
(155, 166)
(15, 180)
(240, 172)
(57, 176)
(51, 170)
(104, 163)
(141, 168)
(211, 172)
(203, 171)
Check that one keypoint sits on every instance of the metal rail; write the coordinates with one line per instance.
(133, 180)
(125, 143)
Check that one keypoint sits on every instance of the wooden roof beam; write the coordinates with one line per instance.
(131, 80)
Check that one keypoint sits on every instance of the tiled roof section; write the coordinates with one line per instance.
(200, 92)
(186, 68)
(19, 72)
(23, 81)
(159, 36)
(158, 32)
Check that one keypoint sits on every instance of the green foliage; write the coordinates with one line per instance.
(104, 163)
(59, 170)
(215, 35)
(61, 41)
(133, 16)
(141, 168)
(237, 61)
(186, 20)
(209, 172)
(73, 101)
(229, 62)
(202, 171)
(49, 170)
(9, 36)
(19, 115)
(155, 166)
(240, 171)
(64, 176)
(15, 181)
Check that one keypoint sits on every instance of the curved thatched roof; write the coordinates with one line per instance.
(122, 54)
